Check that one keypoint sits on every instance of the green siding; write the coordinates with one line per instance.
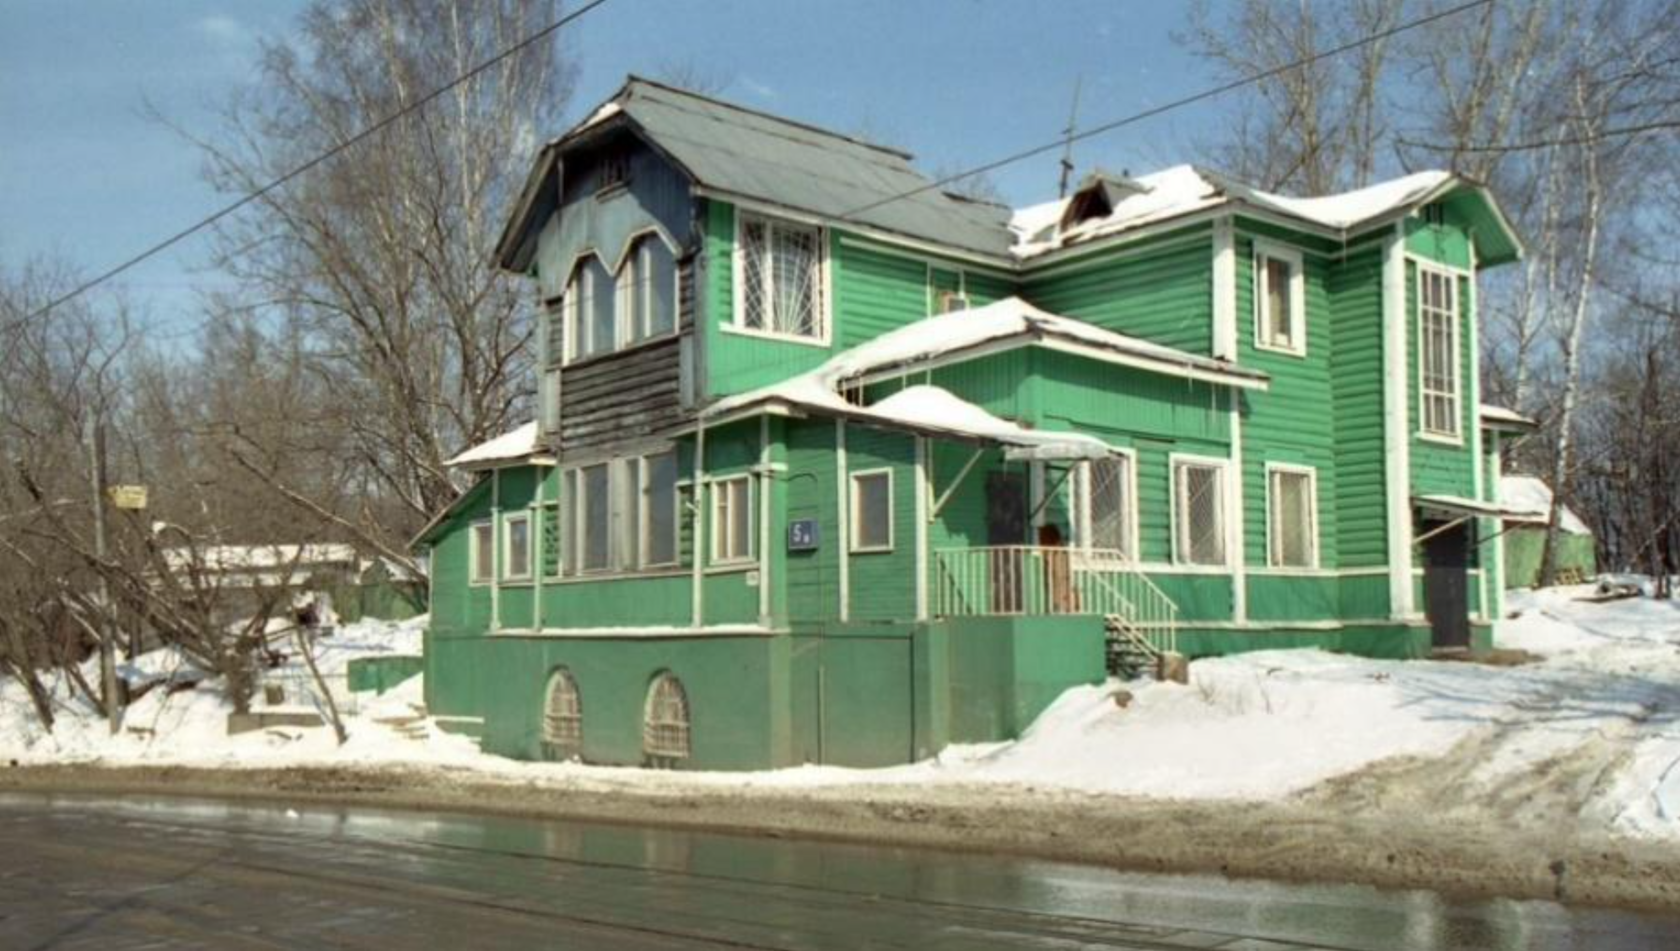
(1354, 288)
(1162, 294)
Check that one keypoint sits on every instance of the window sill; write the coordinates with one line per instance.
(872, 551)
(588, 577)
(731, 567)
(617, 188)
(1297, 352)
(771, 335)
(516, 583)
(583, 362)
(1442, 439)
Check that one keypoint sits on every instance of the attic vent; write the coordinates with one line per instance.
(1435, 214)
(1098, 195)
(615, 170)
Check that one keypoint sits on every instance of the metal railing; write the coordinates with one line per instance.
(1038, 580)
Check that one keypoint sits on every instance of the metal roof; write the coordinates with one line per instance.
(736, 152)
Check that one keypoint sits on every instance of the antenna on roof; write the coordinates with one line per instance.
(1068, 133)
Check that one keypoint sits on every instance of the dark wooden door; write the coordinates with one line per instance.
(1446, 584)
(1006, 525)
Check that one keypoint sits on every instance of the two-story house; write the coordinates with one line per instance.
(832, 466)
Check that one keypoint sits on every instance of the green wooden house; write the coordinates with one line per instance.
(832, 466)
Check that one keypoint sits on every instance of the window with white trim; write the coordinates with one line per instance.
(1292, 516)
(659, 509)
(1438, 363)
(594, 520)
(1280, 300)
(872, 511)
(591, 310)
(481, 545)
(648, 290)
(778, 270)
(516, 542)
(1104, 514)
(732, 520)
(1199, 512)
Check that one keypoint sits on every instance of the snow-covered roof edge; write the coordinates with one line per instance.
(1533, 494)
(519, 443)
(1499, 417)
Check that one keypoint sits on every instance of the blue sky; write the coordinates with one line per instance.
(87, 176)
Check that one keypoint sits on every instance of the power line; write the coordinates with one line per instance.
(1068, 140)
(326, 156)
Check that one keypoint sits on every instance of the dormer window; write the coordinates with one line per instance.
(1097, 197)
(778, 278)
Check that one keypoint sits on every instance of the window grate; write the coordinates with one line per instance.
(1110, 508)
(781, 277)
(1201, 514)
(666, 731)
(563, 716)
(1292, 519)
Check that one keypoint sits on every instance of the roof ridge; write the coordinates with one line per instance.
(634, 79)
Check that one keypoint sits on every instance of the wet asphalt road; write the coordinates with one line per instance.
(133, 874)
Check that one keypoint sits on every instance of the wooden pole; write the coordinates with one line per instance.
(107, 648)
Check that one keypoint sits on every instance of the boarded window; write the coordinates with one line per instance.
(482, 543)
(1293, 514)
(872, 515)
(732, 520)
(1103, 503)
(781, 277)
(659, 509)
(1438, 351)
(1200, 512)
(516, 561)
(562, 728)
(665, 724)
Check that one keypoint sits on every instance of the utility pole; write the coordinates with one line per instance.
(107, 647)
(1068, 133)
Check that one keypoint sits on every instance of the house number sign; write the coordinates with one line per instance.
(802, 535)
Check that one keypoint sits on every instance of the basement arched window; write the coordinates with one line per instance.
(562, 729)
(665, 721)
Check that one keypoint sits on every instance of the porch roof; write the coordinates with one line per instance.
(1460, 507)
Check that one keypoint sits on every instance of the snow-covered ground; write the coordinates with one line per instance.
(1589, 731)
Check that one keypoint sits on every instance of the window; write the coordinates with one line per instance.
(1280, 319)
(516, 535)
(1438, 352)
(1292, 516)
(1199, 512)
(665, 721)
(732, 520)
(1103, 516)
(648, 285)
(659, 508)
(562, 727)
(872, 514)
(952, 301)
(549, 539)
(590, 310)
(482, 547)
(594, 518)
(550, 401)
(615, 170)
(779, 276)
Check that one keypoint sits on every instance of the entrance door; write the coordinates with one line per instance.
(1006, 525)
(1446, 584)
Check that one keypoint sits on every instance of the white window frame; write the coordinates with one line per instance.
(738, 322)
(624, 282)
(1180, 527)
(1083, 532)
(719, 526)
(572, 335)
(508, 551)
(475, 548)
(1273, 555)
(1454, 437)
(643, 523)
(1264, 250)
(580, 521)
(856, 512)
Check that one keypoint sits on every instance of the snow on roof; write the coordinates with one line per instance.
(254, 557)
(1184, 189)
(520, 443)
(1534, 495)
(933, 408)
(1499, 414)
(949, 334)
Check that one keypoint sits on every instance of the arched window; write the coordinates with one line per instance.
(665, 723)
(590, 310)
(648, 285)
(562, 729)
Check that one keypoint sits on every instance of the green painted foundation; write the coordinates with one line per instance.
(380, 674)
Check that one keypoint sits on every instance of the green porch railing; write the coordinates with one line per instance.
(1024, 580)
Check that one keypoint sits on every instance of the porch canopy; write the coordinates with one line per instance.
(939, 341)
(1458, 507)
